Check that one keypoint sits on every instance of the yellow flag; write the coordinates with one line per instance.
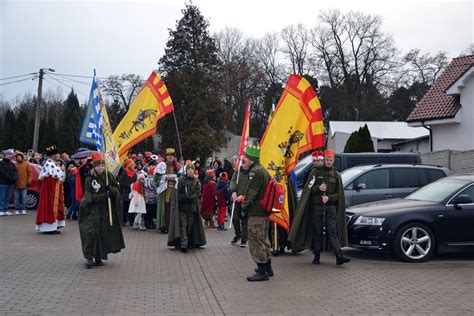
(151, 104)
(109, 148)
(296, 127)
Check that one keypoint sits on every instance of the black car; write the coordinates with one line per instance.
(438, 217)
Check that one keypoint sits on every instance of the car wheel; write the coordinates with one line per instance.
(32, 200)
(414, 243)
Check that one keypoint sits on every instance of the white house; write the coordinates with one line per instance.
(384, 135)
(447, 109)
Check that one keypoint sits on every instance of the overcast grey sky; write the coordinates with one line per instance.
(116, 37)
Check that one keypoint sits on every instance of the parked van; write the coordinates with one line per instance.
(343, 161)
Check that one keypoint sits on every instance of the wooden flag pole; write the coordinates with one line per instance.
(233, 203)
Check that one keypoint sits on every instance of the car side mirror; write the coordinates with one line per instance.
(360, 186)
(461, 199)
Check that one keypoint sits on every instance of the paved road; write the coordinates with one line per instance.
(44, 274)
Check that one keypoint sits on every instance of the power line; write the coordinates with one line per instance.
(6, 83)
(69, 79)
(19, 76)
(64, 84)
(90, 77)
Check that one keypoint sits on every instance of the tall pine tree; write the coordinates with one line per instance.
(21, 141)
(70, 124)
(8, 130)
(191, 71)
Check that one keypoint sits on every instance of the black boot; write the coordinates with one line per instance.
(269, 268)
(89, 263)
(341, 259)
(261, 274)
(316, 258)
(98, 262)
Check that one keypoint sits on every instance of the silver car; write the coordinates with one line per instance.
(363, 184)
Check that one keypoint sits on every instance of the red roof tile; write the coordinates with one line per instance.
(436, 104)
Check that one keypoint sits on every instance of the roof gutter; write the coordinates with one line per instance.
(431, 134)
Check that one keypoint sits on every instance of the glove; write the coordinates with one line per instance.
(108, 194)
(243, 215)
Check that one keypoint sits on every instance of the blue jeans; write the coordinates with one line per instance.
(20, 199)
(5, 194)
(73, 209)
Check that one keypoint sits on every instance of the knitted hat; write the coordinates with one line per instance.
(189, 166)
(253, 153)
(140, 175)
(329, 153)
(97, 159)
(318, 155)
(223, 176)
(211, 173)
(161, 168)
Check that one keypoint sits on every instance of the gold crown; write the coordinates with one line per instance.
(169, 151)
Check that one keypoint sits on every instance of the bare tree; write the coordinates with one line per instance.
(123, 88)
(268, 56)
(355, 55)
(424, 68)
(296, 42)
(242, 78)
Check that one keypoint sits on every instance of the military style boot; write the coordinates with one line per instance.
(268, 267)
(316, 258)
(341, 259)
(261, 274)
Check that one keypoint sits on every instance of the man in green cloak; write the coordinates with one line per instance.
(322, 203)
(98, 237)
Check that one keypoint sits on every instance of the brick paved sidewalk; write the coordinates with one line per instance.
(45, 274)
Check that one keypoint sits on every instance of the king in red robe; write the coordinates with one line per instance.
(50, 215)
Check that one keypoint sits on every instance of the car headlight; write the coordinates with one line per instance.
(368, 220)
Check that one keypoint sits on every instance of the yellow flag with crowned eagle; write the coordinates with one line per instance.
(151, 104)
(296, 127)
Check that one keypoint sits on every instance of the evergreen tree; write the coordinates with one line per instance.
(50, 135)
(191, 70)
(42, 142)
(360, 141)
(21, 141)
(365, 140)
(70, 124)
(8, 130)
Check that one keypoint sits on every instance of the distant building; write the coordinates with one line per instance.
(447, 109)
(386, 136)
(232, 148)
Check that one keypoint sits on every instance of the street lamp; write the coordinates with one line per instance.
(38, 107)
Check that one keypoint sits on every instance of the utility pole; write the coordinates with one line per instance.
(38, 109)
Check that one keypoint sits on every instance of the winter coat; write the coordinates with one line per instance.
(208, 197)
(24, 175)
(8, 173)
(255, 190)
(125, 183)
(222, 193)
(97, 236)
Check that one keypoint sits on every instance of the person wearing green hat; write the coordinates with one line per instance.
(258, 224)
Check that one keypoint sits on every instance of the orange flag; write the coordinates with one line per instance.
(296, 127)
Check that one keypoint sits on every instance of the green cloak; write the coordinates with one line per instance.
(97, 236)
(301, 231)
(160, 203)
(197, 238)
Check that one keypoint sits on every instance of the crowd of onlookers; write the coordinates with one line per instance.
(136, 178)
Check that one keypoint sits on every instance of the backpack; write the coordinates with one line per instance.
(274, 198)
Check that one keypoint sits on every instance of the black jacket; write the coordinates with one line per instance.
(8, 173)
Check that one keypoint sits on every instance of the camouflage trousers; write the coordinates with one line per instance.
(259, 244)
(186, 222)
